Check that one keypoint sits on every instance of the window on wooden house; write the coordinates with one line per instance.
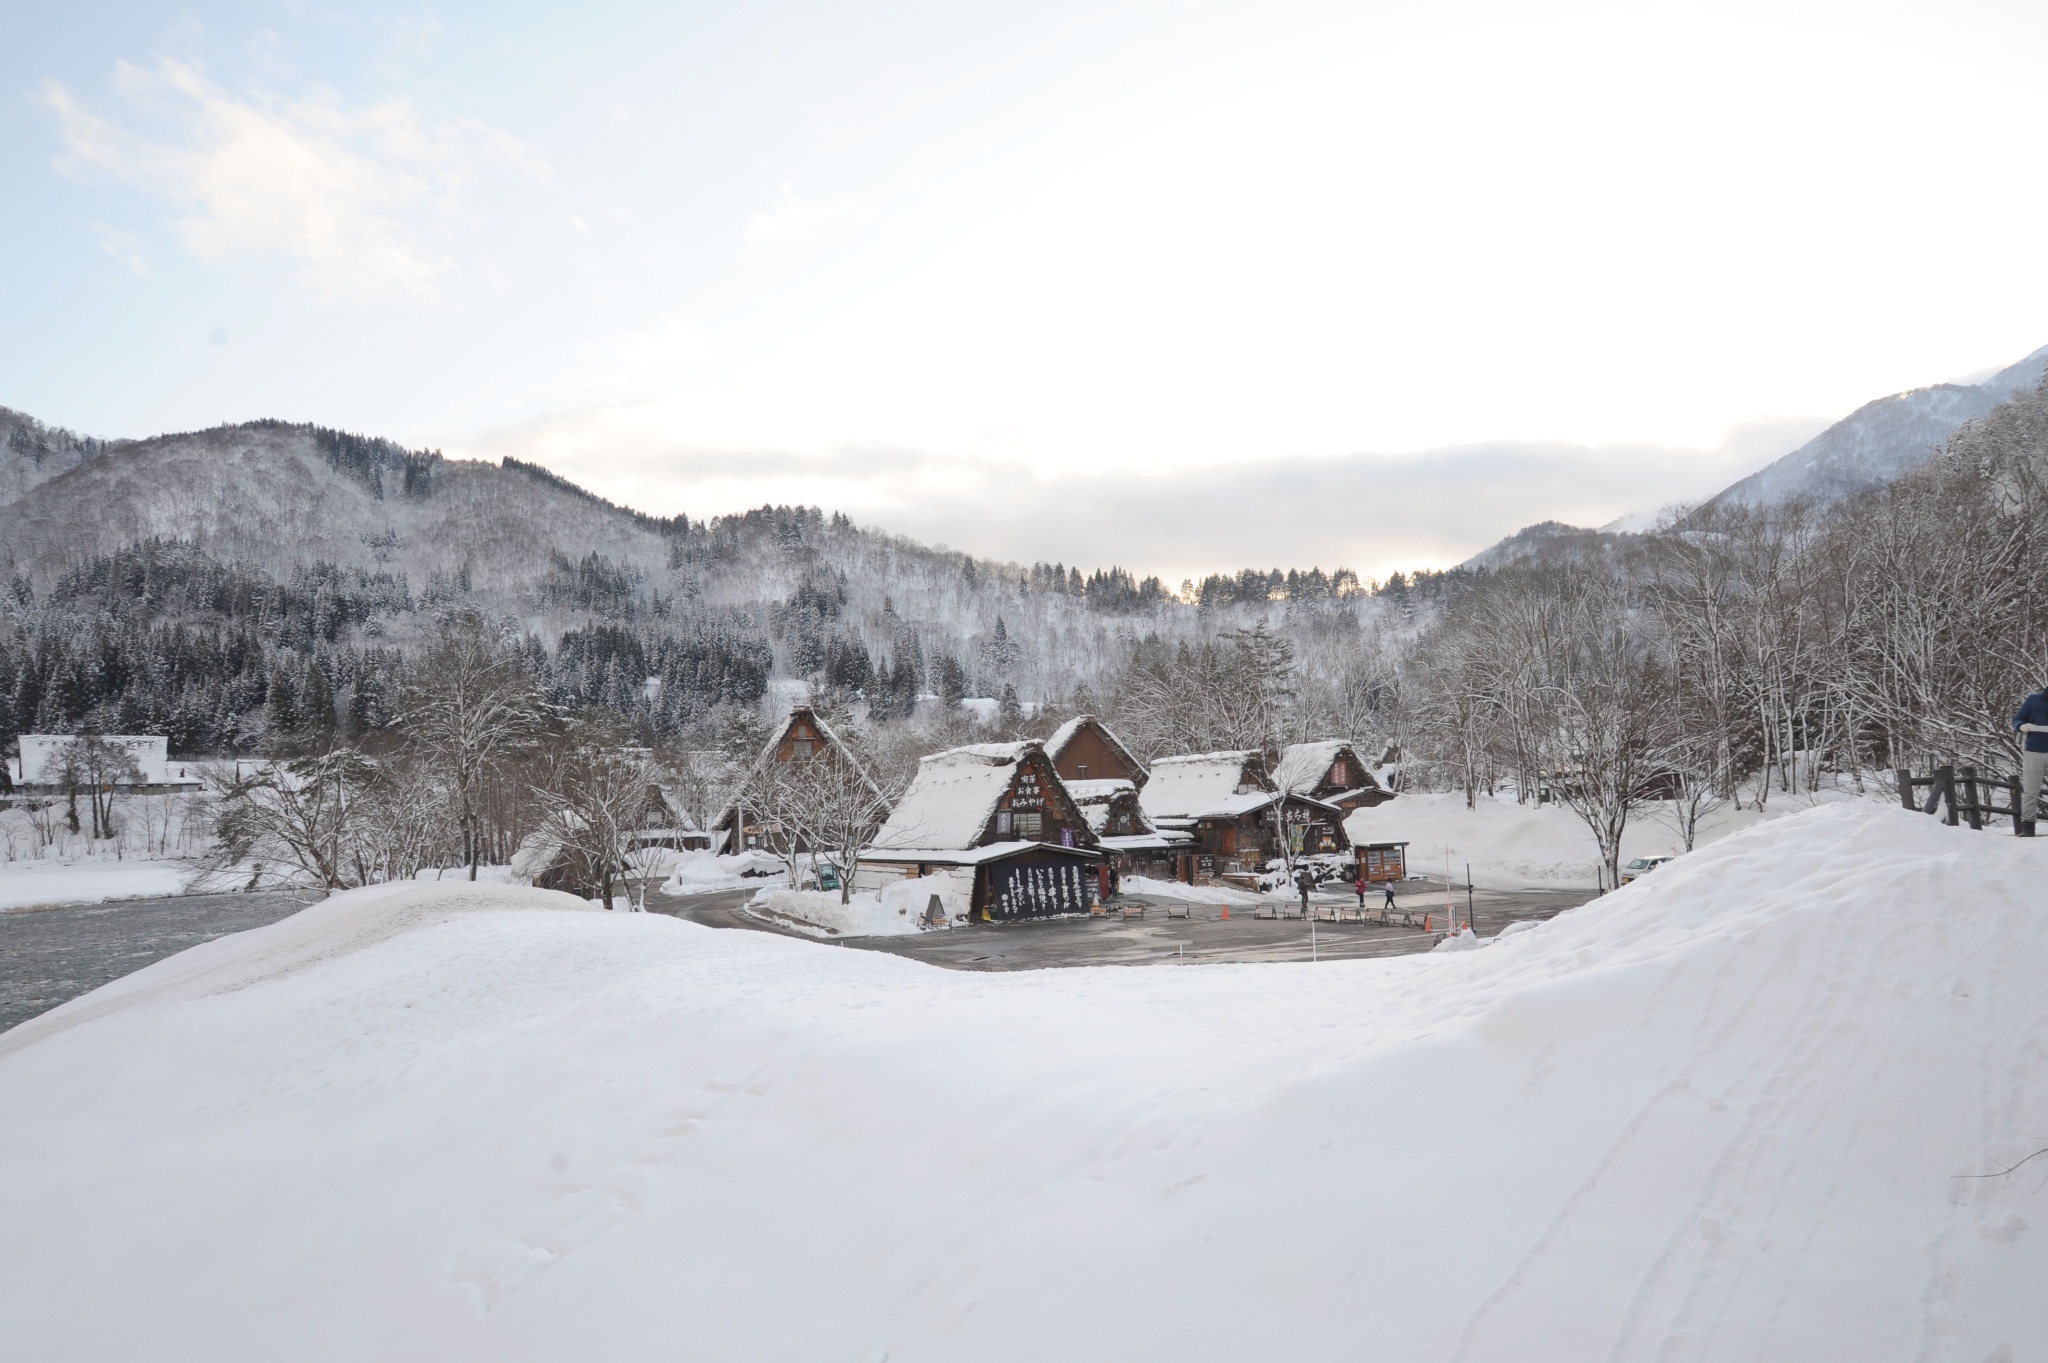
(1029, 823)
(801, 747)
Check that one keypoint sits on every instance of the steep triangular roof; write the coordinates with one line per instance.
(1190, 786)
(1066, 733)
(1304, 766)
(767, 755)
(1095, 799)
(954, 795)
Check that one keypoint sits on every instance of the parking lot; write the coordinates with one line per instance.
(1154, 939)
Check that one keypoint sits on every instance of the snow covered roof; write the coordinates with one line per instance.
(952, 796)
(968, 856)
(1199, 784)
(1168, 841)
(1097, 797)
(1098, 792)
(1064, 735)
(728, 816)
(1303, 766)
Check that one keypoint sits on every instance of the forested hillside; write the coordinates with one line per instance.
(260, 587)
(1742, 651)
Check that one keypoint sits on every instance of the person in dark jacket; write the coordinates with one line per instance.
(1302, 883)
(2032, 723)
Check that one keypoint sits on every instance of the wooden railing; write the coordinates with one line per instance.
(1963, 796)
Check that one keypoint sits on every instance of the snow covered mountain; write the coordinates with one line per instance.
(31, 453)
(309, 548)
(273, 496)
(1874, 445)
(1881, 440)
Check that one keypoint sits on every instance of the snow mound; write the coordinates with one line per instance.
(1729, 1111)
(319, 934)
(700, 872)
(1150, 888)
(869, 913)
(1513, 846)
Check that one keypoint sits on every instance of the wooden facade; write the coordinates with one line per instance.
(1237, 817)
(1330, 770)
(1083, 749)
(1037, 807)
(802, 736)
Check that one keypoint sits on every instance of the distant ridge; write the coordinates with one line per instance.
(1881, 441)
(1875, 445)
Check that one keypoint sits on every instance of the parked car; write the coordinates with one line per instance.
(1641, 866)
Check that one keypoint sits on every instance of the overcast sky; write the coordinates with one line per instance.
(1184, 286)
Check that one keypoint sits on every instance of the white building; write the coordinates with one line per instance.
(42, 760)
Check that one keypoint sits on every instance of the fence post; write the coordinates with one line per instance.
(1944, 792)
(1905, 779)
(1974, 814)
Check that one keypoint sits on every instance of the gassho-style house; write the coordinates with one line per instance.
(994, 827)
(1235, 815)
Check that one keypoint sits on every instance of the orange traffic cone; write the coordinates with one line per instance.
(1428, 923)
(1226, 913)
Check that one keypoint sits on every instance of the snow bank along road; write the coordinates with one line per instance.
(1722, 1113)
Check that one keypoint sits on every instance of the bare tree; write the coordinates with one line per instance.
(310, 813)
(91, 766)
(596, 797)
(823, 803)
(1603, 700)
(469, 711)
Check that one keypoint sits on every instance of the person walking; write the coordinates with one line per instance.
(2032, 721)
(1389, 905)
(1302, 882)
(1362, 883)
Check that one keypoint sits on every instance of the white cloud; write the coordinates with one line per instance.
(361, 202)
(122, 246)
(794, 217)
(653, 353)
(1370, 512)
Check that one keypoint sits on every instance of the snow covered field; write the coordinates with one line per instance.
(1513, 847)
(1723, 1113)
(27, 883)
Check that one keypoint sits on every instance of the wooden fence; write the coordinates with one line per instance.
(1963, 796)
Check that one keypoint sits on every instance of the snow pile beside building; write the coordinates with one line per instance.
(705, 872)
(1150, 888)
(867, 913)
(1511, 846)
(1726, 1112)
